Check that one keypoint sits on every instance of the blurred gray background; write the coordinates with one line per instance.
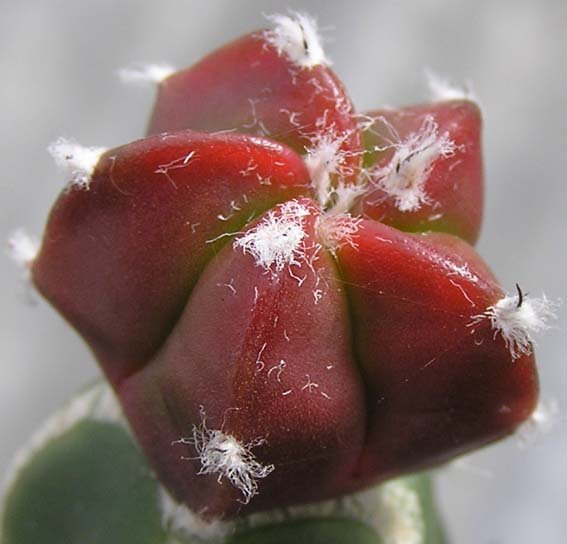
(58, 63)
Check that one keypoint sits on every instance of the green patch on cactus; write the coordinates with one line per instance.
(309, 531)
(90, 485)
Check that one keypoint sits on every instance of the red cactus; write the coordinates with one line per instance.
(271, 338)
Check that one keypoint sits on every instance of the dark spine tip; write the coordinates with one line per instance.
(520, 296)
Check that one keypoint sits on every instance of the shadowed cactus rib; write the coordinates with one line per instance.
(82, 478)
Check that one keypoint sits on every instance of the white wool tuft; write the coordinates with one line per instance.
(337, 230)
(541, 422)
(296, 36)
(344, 196)
(518, 318)
(325, 158)
(224, 455)
(145, 74)
(277, 240)
(404, 177)
(441, 89)
(76, 161)
(22, 248)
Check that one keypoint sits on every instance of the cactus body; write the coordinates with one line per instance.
(283, 295)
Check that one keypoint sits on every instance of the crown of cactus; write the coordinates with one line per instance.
(281, 291)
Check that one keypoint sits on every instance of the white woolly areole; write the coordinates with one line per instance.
(76, 161)
(442, 89)
(145, 74)
(22, 248)
(337, 230)
(343, 197)
(97, 403)
(222, 454)
(541, 422)
(518, 318)
(404, 177)
(323, 159)
(296, 37)
(277, 241)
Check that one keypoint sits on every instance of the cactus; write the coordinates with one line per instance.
(283, 296)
